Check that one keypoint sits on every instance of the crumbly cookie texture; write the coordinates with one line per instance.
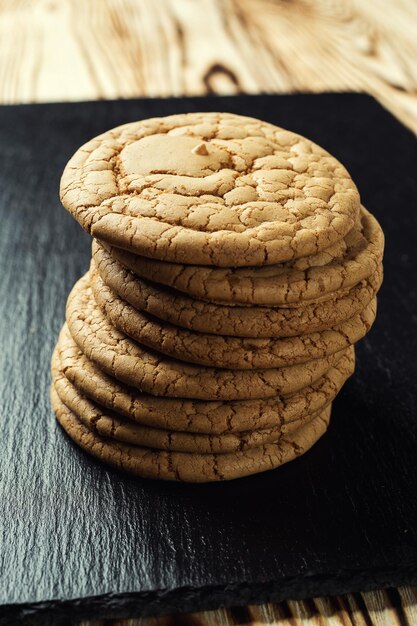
(233, 269)
(309, 279)
(113, 426)
(197, 416)
(182, 310)
(210, 189)
(190, 467)
(159, 375)
(223, 351)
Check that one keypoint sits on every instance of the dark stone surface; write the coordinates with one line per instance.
(78, 539)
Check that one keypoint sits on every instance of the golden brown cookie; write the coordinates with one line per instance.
(113, 426)
(227, 352)
(186, 467)
(197, 416)
(210, 189)
(179, 309)
(159, 375)
(314, 278)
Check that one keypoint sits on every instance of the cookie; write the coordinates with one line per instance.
(308, 279)
(159, 375)
(210, 189)
(113, 426)
(179, 309)
(186, 467)
(197, 416)
(226, 352)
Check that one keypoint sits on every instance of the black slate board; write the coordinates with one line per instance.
(81, 540)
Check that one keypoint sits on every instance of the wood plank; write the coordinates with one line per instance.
(84, 50)
(379, 608)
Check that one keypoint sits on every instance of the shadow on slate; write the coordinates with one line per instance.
(80, 540)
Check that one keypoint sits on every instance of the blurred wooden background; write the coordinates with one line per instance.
(55, 50)
(380, 608)
(89, 49)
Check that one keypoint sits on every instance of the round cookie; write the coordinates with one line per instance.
(227, 352)
(198, 416)
(210, 189)
(314, 278)
(185, 467)
(113, 426)
(159, 375)
(179, 309)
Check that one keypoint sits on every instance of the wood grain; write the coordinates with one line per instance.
(54, 50)
(395, 607)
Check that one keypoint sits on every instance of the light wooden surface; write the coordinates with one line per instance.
(88, 49)
(380, 608)
(52, 50)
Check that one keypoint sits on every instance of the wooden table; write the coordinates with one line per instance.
(88, 49)
(54, 50)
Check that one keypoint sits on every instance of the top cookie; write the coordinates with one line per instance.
(210, 189)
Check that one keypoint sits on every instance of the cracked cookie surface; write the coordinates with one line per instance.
(160, 375)
(186, 467)
(224, 351)
(114, 426)
(210, 189)
(197, 416)
(308, 279)
(182, 310)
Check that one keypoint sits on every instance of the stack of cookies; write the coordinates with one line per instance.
(233, 270)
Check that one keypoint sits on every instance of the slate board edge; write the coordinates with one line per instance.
(187, 599)
(239, 95)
